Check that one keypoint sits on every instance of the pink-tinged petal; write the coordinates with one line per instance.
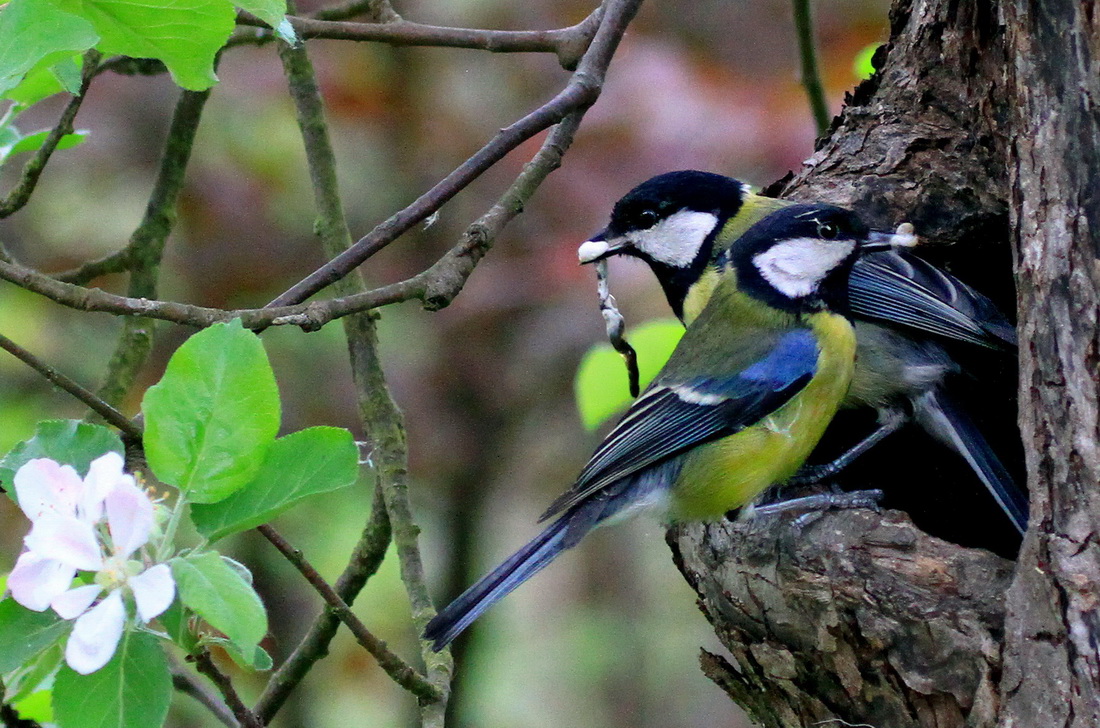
(66, 539)
(75, 602)
(36, 581)
(129, 517)
(95, 635)
(104, 475)
(154, 590)
(44, 486)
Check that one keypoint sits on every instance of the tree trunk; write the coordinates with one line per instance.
(1052, 665)
(982, 129)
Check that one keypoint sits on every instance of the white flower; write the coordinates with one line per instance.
(68, 535)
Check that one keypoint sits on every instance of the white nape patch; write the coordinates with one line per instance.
(693, 396)
(592, 249)
(676, 240)
(796, 267)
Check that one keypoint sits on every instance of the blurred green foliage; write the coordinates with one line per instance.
(601, 384)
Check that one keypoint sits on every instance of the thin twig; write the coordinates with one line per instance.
(382, 421)
(579, 93)
(186, 683)
(807, 53)
(365, 559)
(32, 170)
(435, 286)
(395, 667)
(146, 246)
(106, 411)
(205, 664)
(566, 43)
(116, 262)
(378, 11)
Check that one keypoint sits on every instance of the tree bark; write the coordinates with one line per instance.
(1052, 666)
(981, 127)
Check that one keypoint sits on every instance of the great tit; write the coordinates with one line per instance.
(683, 224)
(738, 407)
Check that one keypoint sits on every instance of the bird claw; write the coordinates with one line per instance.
(816, 505)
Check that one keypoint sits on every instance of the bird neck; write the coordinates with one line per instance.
(689, 289)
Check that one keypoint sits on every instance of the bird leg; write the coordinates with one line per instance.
(890, 421)
(821, 502)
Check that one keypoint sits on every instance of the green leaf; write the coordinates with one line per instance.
(25, 633)
(32, 142)
(36, 707)
(34, 675)
(133, 690)
(47, 78)
(862, 66)
(272, 12)
(601, 385)
(183, 34)
(219, 595)
(67, 73)
(212, 417)
(316, 460)
(176, 622)
(38, 32)
(66, 441)
(257, 658)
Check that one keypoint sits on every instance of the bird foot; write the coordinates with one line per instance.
(816, 505)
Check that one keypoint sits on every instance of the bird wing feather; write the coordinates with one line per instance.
(899, 288)
(677, 414)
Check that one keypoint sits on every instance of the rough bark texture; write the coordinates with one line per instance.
(854, 615)
(1052, 666)
(982, 129)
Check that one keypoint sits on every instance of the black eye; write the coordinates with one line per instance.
(827, 230)
(647, 219)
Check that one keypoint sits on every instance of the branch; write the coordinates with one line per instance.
(186, 683)
(579, 93)
(394, 666)
(205, 664)
(97, 405)
(146, 246)
(32, 170)
(567, 44)
(116, 262)
(365, 559)
(382, 420)
(378, 11)
(807, 54)
(435, 286)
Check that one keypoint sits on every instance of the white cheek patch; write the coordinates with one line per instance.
(796, 267)
(676, 240)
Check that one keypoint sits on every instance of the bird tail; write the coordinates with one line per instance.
(949, 424)
(490, 589)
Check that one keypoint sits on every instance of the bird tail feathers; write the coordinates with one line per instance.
(954, 428)
(490, 589)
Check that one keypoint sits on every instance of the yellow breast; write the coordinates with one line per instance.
(730, 472)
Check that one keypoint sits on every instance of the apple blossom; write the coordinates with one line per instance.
(67, 535)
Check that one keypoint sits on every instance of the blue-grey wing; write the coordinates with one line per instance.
(674, 416)
(899, 288)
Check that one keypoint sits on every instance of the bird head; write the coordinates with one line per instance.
(668, 221)
(798, 257)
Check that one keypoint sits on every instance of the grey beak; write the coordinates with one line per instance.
(877, 242)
